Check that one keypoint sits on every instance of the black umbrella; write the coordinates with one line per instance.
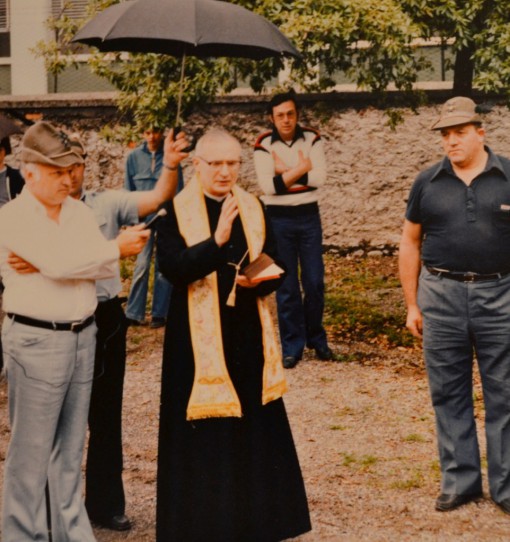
(201, 28)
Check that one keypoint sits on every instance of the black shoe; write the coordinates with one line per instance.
(131, 322)
(157, 322)
(289, 362)
(504, 505)
(114, 523)
(445, 503)
(325, 354)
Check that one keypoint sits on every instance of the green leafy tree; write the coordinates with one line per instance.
(374, 42)
(479, 30)
(492, 52)
(370, 40)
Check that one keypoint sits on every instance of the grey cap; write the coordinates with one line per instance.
(45, 144)
(457, 111)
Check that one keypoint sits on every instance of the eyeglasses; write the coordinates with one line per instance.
(218, 164)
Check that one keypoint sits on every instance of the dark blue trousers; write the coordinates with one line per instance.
(300, 299)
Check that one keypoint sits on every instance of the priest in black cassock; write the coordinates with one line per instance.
(227, 465)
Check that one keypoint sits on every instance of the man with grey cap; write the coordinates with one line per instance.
(455, 273)
(51, 253)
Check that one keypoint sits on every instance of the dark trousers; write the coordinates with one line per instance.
(104, 488)
(461, 320)
(299, 240)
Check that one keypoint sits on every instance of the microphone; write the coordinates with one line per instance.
(152, 222)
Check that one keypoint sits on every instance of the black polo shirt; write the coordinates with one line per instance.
(465, 228)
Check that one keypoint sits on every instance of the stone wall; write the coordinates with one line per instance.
(371, 167)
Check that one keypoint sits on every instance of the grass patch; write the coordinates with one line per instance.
(363, 463)
(345, 411)
(364, 301)
(415, 481)
(135, 340)
(351, 356)
(414, 437)
(368, 460)
(349, 459)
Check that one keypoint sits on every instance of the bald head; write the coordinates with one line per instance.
(216, 136)
(217, 161)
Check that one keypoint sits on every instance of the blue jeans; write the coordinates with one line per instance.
(299, 240)
(135, 309)
(49, 376)
(460, 320)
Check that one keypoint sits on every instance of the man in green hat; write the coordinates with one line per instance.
(51, 254)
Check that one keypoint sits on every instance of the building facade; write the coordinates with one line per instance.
(23, 23)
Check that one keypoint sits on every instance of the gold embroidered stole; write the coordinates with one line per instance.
(213, 394)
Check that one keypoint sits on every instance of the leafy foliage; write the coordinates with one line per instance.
(481, 36)
(148, 84)
(374, 42)
(493, 52)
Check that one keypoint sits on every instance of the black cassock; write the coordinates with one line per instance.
(222, 479)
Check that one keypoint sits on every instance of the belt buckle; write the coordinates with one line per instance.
(76, 326)
(469, 277)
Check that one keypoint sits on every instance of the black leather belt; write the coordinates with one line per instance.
(466, 277)
(56, 326)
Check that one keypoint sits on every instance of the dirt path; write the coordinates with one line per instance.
(365, 436)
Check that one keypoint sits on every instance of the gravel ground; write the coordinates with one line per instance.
(365, 436)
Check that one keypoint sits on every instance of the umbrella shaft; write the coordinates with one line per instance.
(181, 84)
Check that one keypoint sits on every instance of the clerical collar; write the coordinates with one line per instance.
(215, 198)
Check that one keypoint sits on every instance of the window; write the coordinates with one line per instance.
(75, 9)
(5, 37)
(4, 16)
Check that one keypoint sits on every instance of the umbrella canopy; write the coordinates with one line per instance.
(201, 28)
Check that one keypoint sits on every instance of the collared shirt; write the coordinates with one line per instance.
(465, 228)
(304, 190)
(70, 255)
(112, 209)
